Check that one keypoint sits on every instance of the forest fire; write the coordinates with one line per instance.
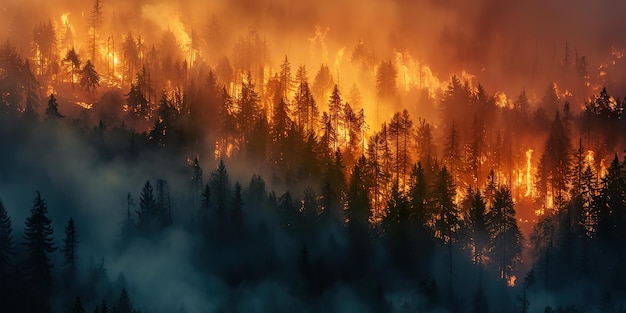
(312, 162)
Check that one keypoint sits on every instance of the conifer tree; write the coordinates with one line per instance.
(6, 243)
(39, 245)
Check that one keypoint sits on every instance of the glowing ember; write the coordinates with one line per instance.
(511, 281)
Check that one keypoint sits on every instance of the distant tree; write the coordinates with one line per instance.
(447, 221)
(506, 238)
(358, 210)
(286, 81)
(196, 187)
(44, 39)
(52, 111)
(396, 226)
(236, 214)
(444, 194)
(306, 113)
(96, 20)
(131, 56)
(335, 113)
(333, 189)
(89, 78)
(220, 192)
(249, 110)
(425, 142)
(77, 307)
(386, 80)
(550, 100)
(7, 249)
(70, 245)
(400, 131)
(11, 84)
(39, 245)
(124, 304)
(322, 84)
(138, 105)
(478, 228)
(147, 215)
(72, 59)
(609, 207)
(452, 151)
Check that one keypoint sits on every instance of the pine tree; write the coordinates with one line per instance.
(70, 244)
(89, 78)
(237, 210)
(77, 307)
(39, 245)
(358, 210)
(148, 212)
(478, 228)
(220, 193)
(124, 305)
(52, 111)
(506, 238)
(6, 241)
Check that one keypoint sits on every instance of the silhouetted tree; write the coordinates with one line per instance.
(386, 80)
(39, 245)
(89, 78)
(70, 244)
(7, 249)
(124, 304)
(147, 216)
(77, 307)
(358, 210)
(220, 192)
(52, 111)
(72, 59)
(506, 238)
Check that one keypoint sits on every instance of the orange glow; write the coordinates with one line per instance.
(511, 281)
(529, 182)
(502, 101)
(415, 74)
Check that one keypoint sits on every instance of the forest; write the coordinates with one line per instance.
(184, 162)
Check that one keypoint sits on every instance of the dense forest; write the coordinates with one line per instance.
(203, 170)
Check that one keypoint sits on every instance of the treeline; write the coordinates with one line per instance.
(30, 278)
(347, 207)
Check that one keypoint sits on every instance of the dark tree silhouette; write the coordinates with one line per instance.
(147, 215)
(358, 210)
(70, 245)
(386, 80)
(52, 111)
(89, 78)
(72, 59)
(7, 249)
(77, 307)
(39, 245)
(506, 238)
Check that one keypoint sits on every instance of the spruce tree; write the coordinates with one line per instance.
(6, 242)
(39, 245)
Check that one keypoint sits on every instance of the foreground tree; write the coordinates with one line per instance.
(506, 238)
(6, 242)
(39, 245)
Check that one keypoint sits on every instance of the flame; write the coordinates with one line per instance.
(319, 39)
(603, 169)
(590, 157)
(415, 74)
(502, 101)
(338, 58)
(529, 183)
(511, 281)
